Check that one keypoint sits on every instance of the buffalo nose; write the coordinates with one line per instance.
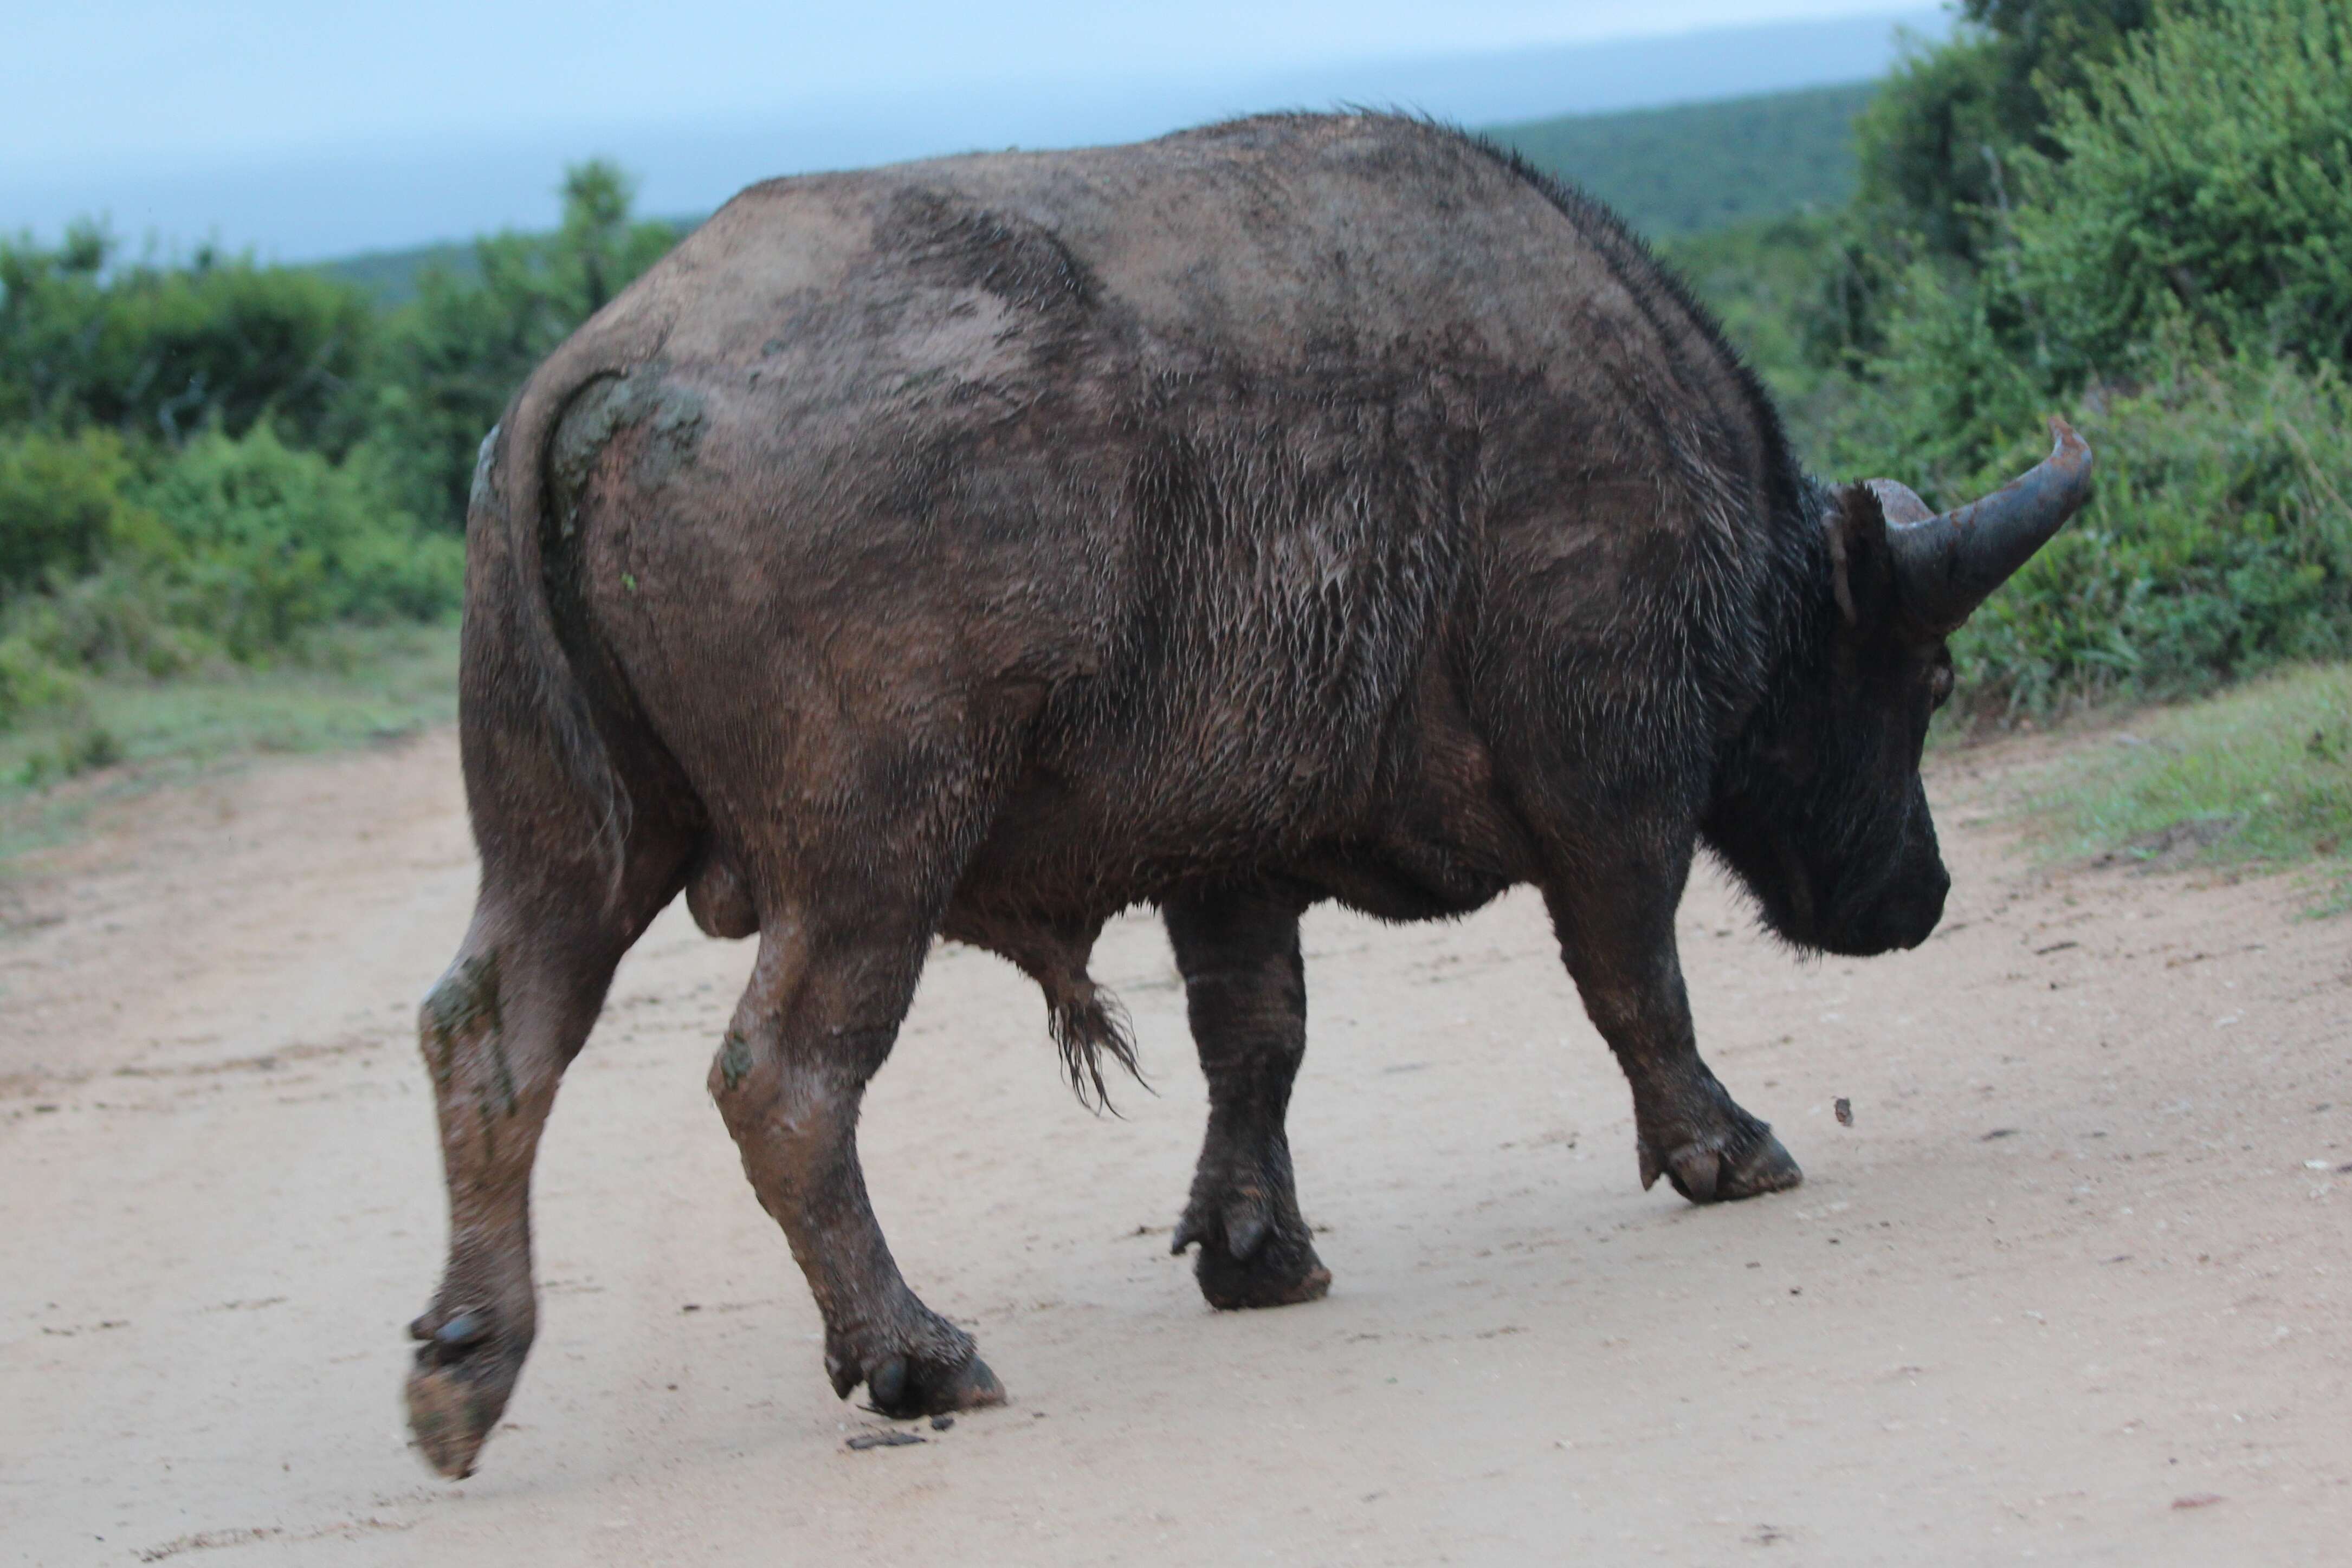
(1925, 910)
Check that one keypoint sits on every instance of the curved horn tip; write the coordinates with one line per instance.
(2064, 441)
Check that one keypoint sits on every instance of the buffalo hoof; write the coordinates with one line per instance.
(904, 1387)
(1705, 1174)
(458, 1390)
(1248, 1260)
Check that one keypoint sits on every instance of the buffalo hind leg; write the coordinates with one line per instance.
(1616, 931)
(821, 1012)
(496, 1032)
(1245, 990)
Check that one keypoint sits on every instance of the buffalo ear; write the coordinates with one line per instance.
(1862, 566)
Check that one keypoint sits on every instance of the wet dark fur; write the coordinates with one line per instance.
(1308, 507)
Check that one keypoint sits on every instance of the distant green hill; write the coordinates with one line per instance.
(1678, 171)
(1699, 166)
(391, 275)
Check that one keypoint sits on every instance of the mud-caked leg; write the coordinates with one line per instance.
(496, 1033)
(1246, 989)
(1616, 931)
(818, 1018)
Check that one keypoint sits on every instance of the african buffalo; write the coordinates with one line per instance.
(1306, 508)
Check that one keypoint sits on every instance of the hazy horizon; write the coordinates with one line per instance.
(292, 176)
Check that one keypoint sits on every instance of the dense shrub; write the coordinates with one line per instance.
(234, 548)
(65, 504)
(2206, 178)
(159, 351)
(1938, 146)
(29, 679)
(2170, 260)
(2217, 541)
(266, 542)
(209, 461)
(454, 356)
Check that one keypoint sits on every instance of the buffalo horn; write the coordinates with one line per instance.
(1946, 563)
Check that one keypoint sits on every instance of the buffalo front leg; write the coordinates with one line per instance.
(814, 1025)
(1245, 990)
(496, 1033)
(1616, 931)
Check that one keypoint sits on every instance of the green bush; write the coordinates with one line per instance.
(1946, 392)
(30, 680)
(452, 356)
(2206, 178)
(2218, 543)
(1939, 147)
(65, 504)
(157, 353)
(235, 549)
(206, 462)
(265, 541)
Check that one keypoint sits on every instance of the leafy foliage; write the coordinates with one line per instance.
(213, 463)
(66, 505)
(456, 354)
(2219, 543)
(1938, 143)
(266, 541)
(2170, 260)
(159, 353)
(2206, 177)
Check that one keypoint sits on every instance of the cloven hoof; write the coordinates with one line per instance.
(1701, 1175)
(905, 1390)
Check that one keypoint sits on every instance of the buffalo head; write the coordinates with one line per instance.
(1819, 808)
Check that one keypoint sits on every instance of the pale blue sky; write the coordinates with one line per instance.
(307, 127)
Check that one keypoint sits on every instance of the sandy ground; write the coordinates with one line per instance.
(2073, 1285)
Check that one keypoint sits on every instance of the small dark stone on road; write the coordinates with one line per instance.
(885, 1439)
(1845, 1109)
(1998, 1133)
(942, 1423)
(2199, 1500)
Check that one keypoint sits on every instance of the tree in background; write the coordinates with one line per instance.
(1939, 145)
(159, 353)
(456, 353)
(2172, 262)
(1939, 150)
(209, 460)
(2200, 180)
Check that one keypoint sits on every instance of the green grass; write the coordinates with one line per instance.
(2262, 775)
(125, 735)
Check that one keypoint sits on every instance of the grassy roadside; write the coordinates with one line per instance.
(2261, 775)
(125, 735)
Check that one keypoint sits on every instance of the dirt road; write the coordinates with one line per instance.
(2078, 1267)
